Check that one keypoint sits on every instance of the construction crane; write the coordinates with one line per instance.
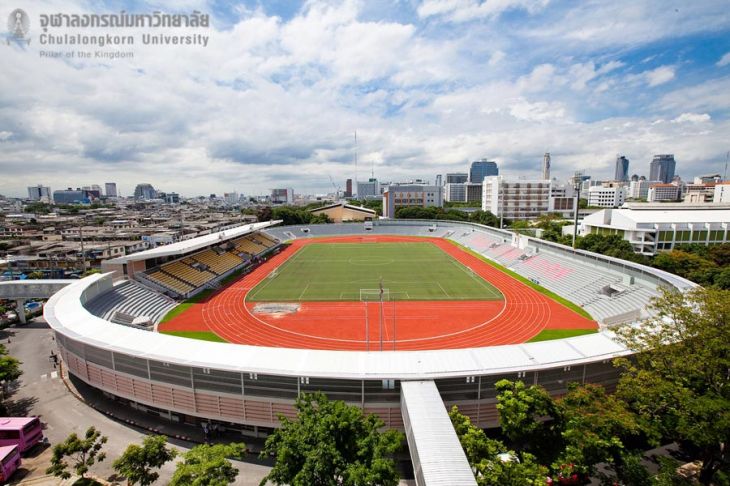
(337, 189)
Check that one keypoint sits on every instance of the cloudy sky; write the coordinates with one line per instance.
(275, 97)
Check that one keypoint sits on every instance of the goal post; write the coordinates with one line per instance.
(374, 295)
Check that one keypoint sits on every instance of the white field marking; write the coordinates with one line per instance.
(477, 278)
(303, 291)
(442, 289)
(278, 273)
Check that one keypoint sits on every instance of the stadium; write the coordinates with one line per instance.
(359, 312)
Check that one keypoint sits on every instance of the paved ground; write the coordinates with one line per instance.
(42, 392)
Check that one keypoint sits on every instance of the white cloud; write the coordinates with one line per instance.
(467, 10)
(273, 101)
(660, 75)
(692, 118)
(496, 58)
(724, 60)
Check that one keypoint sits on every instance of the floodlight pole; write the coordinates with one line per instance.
(367, 327)
(576, 186)
(394, 327)
(381, 321)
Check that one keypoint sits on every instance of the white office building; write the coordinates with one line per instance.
(664, 192)
(722, 193)
(516, 198)
(608, 196)
(651, 228)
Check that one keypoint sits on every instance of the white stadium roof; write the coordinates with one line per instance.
(66, 314)
(186, 246)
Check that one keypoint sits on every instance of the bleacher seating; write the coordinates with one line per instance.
(170, 282)
(202, 268)
(218, 263)
(129, 299)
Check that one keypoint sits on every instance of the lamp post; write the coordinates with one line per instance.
(576, 187)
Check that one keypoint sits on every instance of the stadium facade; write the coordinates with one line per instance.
(248, 387)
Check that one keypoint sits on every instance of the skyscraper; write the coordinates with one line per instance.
(662, 168)
(348, 188)
(546, 166)
(622, 169)
(145, 191)
(110, 189)
(482, 168)
(39, 193)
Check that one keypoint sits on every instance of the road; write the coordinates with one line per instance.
(42, 392)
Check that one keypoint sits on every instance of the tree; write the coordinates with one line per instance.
(491, 460)
(678, 382)
(83, 453)
(9, 372)
(331, 443)
(522, 412)
(484, 217)
(572, 434)
(206, 465)
(264, 213)
(136, 462)
(609, 245)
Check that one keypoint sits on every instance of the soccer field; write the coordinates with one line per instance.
(353, 271)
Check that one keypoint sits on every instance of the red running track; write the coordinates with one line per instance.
(420, 325)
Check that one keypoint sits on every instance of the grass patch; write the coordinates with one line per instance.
(549, 334)
(185, 305)
(202, 335)
(338, 271)
(570, 305)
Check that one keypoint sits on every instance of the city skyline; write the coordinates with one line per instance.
(245, 112)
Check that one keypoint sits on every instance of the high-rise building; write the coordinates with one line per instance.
(348, 188)
(517, 198)
(69, 196)
(455, 192)
(282, 196)
(622, 169)
(230, 198)
(438, 179)
(110, 189)
(145, 191)
(369, 189)
(456, 178)
(546, 166)
(39, 193)
(482, 168)
(662, 168)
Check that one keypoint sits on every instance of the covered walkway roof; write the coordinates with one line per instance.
(437, 456)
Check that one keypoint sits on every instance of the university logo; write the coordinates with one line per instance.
(19, 26)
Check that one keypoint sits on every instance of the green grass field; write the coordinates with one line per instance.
(201, 335)
(550, 334)
(410, 271)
